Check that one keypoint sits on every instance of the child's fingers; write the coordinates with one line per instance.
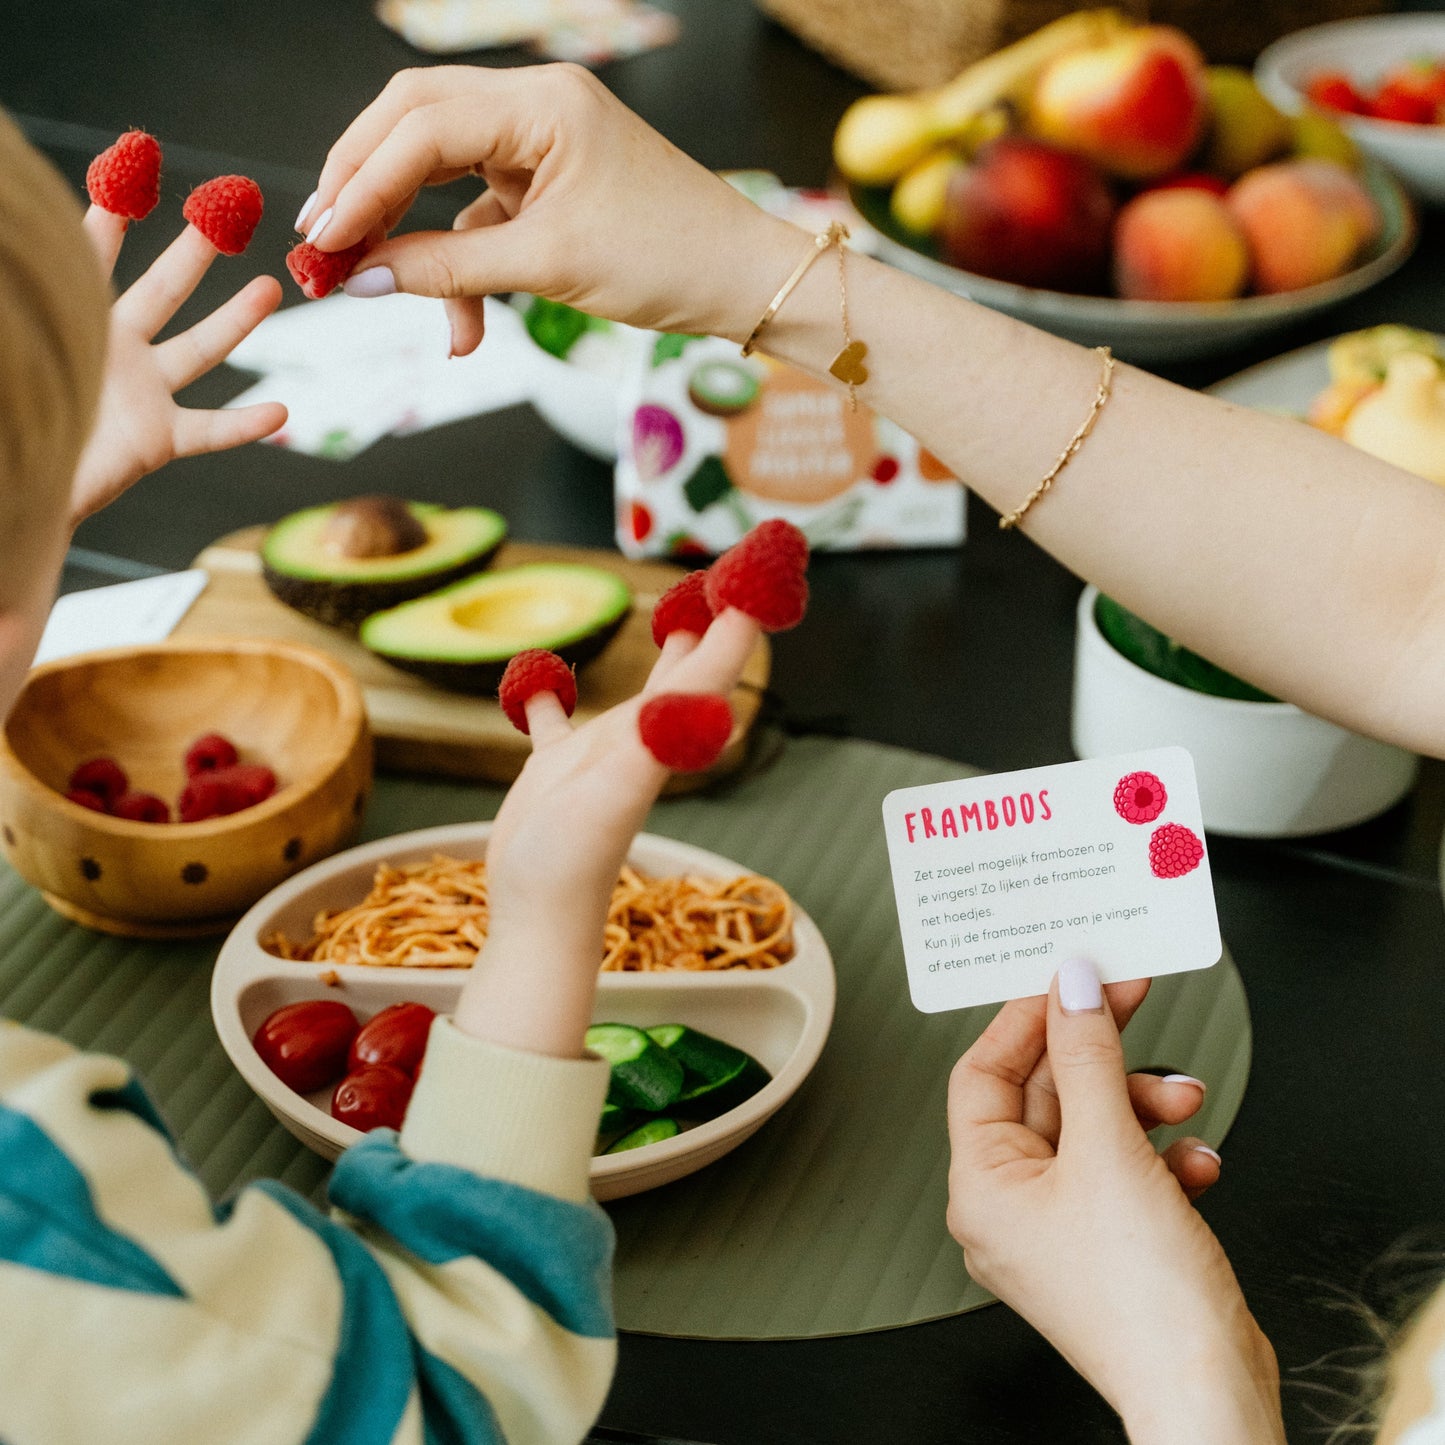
(675, 646)
(167, 285)
(217, 431)
(107, 234)
(547, 720)
(717, 662)
(193, 353)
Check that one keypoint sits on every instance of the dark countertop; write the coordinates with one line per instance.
(966, 654)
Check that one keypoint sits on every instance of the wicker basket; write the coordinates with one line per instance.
(907, 44)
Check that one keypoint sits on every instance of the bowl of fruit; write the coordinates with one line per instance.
(1099, 180)
(1381, 78)
(158, 791)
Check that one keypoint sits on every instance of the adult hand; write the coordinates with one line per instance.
(560, 840)
(585, 203)
(1090, 1235)
(139, 425)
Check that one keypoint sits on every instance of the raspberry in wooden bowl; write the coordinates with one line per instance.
(285, 708)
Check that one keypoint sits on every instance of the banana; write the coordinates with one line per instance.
(882, 136)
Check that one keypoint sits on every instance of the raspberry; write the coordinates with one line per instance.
(764, 575)
(210, 752)
(682, 607)
(685, 731)
(529, 673)
(87, 799)
(141, 808)
(1174, 850)
(1139, 798)
(125, 178)
(319, 273)
(223, 791)
(225, 211)
(102, 776)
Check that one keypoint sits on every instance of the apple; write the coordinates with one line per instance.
(1136, 106)
(1028, 212)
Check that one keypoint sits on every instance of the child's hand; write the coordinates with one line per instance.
(585, 203)
(139, 427)
(1090, 1234)
(561, 839)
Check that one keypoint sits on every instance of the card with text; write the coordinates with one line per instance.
(1000, 879)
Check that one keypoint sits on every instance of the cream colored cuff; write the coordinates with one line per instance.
(525, 1118)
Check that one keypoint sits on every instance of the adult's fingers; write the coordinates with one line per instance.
(1169, 1100)
(987, 1084)
(107, 233)
(167, 284)
(218, 431)
(1194, 1164)
(405, 91)
(507, 129)
(194, 352)
(466, 315)
(1087, 1059)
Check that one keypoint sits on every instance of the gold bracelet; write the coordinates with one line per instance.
(1106, 384)
(847, 366)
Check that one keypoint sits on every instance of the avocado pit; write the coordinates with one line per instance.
(372, 527)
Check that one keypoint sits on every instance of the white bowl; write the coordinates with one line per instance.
(781, 1016)
(1265, 769)
(1365, 50)
(1154, 331)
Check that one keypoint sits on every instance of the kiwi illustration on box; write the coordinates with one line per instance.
(711, 444)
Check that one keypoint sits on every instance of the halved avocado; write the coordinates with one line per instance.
(463, 636)
(343, 562)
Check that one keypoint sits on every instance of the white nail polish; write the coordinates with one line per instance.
(301, 214)
(322, 221)
(1185, 1079)
(1205, 1149)
(374, 281)
(1080, 991)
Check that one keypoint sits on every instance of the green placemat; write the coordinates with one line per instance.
(828, 1221)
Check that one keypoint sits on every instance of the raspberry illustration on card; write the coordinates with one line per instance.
(999, 879)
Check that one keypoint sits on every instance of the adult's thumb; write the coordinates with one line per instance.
(443, 263)
(1086, 1057)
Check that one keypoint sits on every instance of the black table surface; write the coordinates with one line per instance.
(964, 653)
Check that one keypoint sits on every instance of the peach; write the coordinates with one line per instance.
(1179, 245)
(1306, 221)
(1029, 213)
(1135, 106)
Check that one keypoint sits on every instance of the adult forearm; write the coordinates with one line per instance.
(1275, 550)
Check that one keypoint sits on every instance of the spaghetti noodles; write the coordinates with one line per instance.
(434, 915)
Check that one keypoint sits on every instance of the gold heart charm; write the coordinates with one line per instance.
(848, 364)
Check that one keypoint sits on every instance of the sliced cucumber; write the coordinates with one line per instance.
(716, 1076)
(652, 1132)
(644, 1075)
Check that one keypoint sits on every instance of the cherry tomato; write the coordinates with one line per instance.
(396, 1036)
(305, 1044)
(372, 1098)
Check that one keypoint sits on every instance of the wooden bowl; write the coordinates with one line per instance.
(290, 707)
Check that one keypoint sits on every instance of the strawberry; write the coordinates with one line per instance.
(683, 607)
(225, 211)
(764, 575)
(530, 672)
(319, 273)
(125, 178)
(685, 731)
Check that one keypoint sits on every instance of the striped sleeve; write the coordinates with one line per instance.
(458, 1292)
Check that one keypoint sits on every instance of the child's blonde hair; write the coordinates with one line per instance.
(53, 302)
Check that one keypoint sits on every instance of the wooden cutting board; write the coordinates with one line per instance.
(423, 729)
